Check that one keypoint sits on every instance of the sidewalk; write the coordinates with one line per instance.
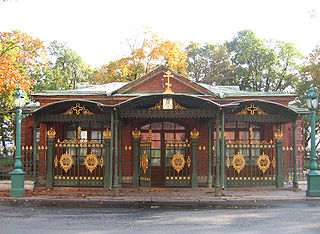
(135, 197)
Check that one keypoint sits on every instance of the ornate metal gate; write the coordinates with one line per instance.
(144, 164)
(177, 163)
(250, 163)
(78, 162)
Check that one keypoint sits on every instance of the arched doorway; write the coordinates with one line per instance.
(169, 158)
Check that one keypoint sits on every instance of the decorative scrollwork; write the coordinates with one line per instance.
(252, 109)
(77, 109)
(178, 162)
(194, 134)
(188, 162)
(55, 161)
(159, 106)
(238, 162)
(51, 133)
(228, 162)
(101, 161)
(263, 162)
(91, 162)
(66, 162)
(144, 162)
(136, 133)
(107, 134)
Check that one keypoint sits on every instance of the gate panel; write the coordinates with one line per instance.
(78, 163)
(251, 164)
(144, 164)
(177, 163)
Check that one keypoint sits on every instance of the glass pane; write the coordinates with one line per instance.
(169, 136)
(168, 126)
(155, 162)
(71, 134)
(155, 157)
(96, 135)
(256, 135)
(156, 144)
(156, 136)
(230, 136)
(84, 135)
(145, 127)
(156, 126)
(144, 135)
(179, 127)
(243, 135)
(180, 136)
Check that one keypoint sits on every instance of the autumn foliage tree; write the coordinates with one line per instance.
(20, 56)
(144, 57)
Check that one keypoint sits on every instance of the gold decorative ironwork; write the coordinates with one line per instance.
(136, 133)
(51, 133)
(107, 134)
(263, 162)
(188, 161)
(168, 89)
(178, 162)
(148, 140)
(228, 162)
(194, 134)
(78, 109)
(274, 162)
(79, 133)
(238, 162)
(144, 162)
(101, 161)
(252, 109)
(66, 162)
(56, 161)
(91, 162)
(159, 106)
(278, 135)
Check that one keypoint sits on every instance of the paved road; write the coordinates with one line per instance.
(275, 217)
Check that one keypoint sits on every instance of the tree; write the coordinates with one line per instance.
(66, 70)
(210, 64)
(144, 56)
(252, 60)
(20, 56)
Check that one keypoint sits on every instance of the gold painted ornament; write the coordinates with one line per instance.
(66, 162)
(238, 162)
(144, 162)
(91, 162)
(263, 162)
(178, 162)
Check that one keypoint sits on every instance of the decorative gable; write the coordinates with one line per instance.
(163, 80)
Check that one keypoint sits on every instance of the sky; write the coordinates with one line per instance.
(97, 29)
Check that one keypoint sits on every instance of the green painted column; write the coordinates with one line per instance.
(194, 149)
(120, 154)
(209, 181)
(111, 149)
(116, 159)
(49, 170)
(295, 176)
(223, 167)
(106, 174)
(279, 163)
(35, 154)
(218, 156)
(136, 144)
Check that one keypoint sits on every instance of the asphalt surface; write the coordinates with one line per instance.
(263, 217)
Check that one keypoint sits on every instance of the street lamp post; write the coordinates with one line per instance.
(313, 176)
(17, 175)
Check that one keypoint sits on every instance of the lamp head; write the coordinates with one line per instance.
(19, 98)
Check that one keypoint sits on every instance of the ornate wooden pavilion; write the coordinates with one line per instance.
(162, 130)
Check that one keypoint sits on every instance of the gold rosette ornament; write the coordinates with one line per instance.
(66, 162)
(263, 162)
(178, 162)
(91, 162)
(238, 162)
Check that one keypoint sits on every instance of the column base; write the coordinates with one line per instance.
(313, 186)
(17, 184)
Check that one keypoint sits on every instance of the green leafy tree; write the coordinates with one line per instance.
(66, 71)
(210, 64)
